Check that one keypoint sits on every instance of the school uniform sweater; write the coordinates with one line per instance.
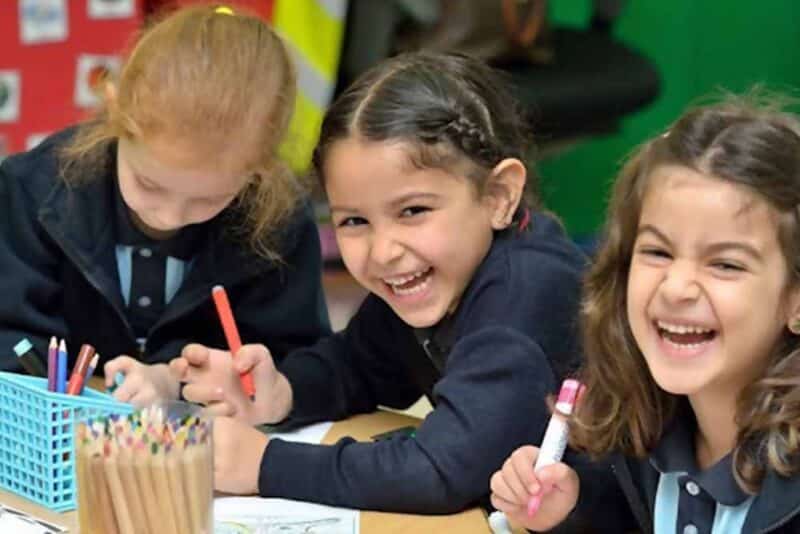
(667, 492)
(60, 274)
(487, 370)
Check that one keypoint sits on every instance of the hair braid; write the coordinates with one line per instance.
(468, 137)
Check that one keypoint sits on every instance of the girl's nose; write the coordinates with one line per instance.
(680, 282)
(385, 248)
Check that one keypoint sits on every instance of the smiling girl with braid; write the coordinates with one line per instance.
(473, 302)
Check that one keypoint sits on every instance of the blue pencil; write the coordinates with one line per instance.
(61, 377)
(90, 370)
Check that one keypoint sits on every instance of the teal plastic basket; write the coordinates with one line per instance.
(36, 437)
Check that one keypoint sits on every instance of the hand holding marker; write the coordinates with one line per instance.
(556, 435)
(551, 450)
(231, 333)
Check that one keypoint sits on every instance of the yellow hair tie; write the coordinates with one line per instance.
(224, 10)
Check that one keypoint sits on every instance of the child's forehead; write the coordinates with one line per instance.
(169, 155)
(680, 179)
(670, 185)
(396, 155)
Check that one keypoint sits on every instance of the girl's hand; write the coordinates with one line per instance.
(144, 384)
(238, 449)
(213, 377)
(514, 485)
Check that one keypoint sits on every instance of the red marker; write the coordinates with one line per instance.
(79, 371)
(555, 437)
(231, 333)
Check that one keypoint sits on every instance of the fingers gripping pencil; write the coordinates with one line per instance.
(231, 333)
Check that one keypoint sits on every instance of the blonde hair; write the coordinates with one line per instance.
(738, 141)
(225, 83)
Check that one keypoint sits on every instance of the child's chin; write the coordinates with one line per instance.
(677, 383)
(419, 319)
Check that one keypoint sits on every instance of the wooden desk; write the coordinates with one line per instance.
(360, 427)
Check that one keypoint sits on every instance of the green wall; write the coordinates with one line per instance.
(698, 47)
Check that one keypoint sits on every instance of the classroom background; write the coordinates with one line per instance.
(619, 72)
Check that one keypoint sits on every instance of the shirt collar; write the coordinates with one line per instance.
(675, 452)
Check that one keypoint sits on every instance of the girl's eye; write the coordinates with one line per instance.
(146, 184)
(351, 221)
(413, 210)
(727, 266)
(654, 252)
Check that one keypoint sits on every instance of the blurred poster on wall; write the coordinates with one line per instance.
(42, 21)
(34, 139)
(92, 70)
(9, 95)
(110, 9)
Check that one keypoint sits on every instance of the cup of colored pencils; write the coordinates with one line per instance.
(150, 472)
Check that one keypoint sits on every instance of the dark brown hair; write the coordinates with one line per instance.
(223, 81)
(744, 142)
(451, 111)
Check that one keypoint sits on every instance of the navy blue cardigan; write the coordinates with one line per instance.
(618, 495)
(506, 348)
(59, 273)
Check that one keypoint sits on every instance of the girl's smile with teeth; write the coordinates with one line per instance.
(684, 336)
(676, 328)
(409, 284)
(400, 280)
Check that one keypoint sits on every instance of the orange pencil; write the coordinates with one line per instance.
(231, 333)
(79, 371)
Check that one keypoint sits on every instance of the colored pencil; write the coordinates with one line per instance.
(78, 376)
(61, 376)
(52, 364)
(90, 371)
(231, 333)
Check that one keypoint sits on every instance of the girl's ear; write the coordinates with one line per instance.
(504, 189)
(793, 320)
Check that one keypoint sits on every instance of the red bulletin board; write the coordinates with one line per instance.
(47, 71)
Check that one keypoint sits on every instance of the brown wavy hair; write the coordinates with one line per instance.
(743, 140)
(225, 82)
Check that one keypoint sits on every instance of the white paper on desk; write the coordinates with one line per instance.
(19, 522)
(254, 515)
(307, 434)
